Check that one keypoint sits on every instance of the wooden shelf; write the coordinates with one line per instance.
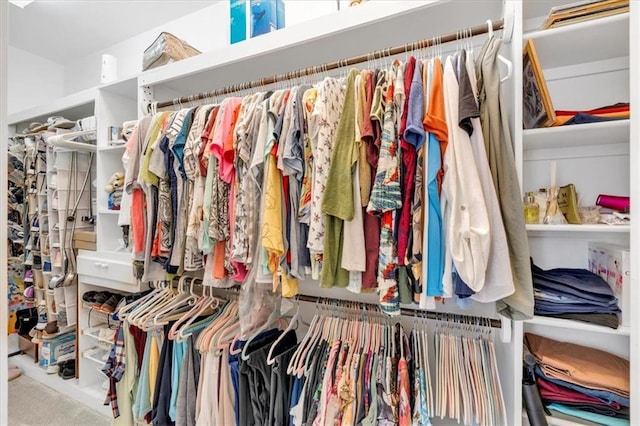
(599, 228)
(584, 42)
(107, 211)
(577, 325)
(577, 135)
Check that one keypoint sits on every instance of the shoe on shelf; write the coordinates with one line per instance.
(51, 329)
(109, 306)
(29, 292)
(42, 316)
(88, 296)
(67, 369)
(100, 298)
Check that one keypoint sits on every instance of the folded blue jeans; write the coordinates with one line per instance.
(604, 396)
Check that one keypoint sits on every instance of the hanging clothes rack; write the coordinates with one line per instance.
(303, 72)
(438, 316)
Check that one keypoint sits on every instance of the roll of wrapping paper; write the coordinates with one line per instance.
(614, 202)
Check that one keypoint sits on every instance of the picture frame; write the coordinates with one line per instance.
(537, 108)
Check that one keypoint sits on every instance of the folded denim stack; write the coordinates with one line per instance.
(575, 294)
(580, 381)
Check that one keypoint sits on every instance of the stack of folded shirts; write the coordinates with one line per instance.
(619, 111)
(575, 294)
(580, 381)
(115, 198)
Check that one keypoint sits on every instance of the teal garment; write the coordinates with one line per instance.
(592, 417)
(177, 356)
(142, 403)
(435, 248)
(178, 146)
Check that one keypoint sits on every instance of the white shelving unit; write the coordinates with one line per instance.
(587, 65)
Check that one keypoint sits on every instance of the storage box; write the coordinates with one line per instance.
(27, 347)
(238, 15)
(165, 49)
(52, 349)
(255, 17)
(85, 236)
(613, 262)
(84, 240)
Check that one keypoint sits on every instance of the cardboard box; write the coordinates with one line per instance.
(27, 347)
(613, 263)
(85, 236)
(52, 349)
(84, 240)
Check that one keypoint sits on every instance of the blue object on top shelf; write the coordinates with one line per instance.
(266, 16)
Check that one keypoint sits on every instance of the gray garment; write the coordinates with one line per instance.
(467, 106)
(188, 386)
(497, 138)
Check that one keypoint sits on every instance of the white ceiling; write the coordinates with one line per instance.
(63, 30)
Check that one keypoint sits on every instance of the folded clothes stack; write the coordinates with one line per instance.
(619, 111)
(575, 294)
(580, 381)
(115, 198)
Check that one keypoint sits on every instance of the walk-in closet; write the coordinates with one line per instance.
(310, 212)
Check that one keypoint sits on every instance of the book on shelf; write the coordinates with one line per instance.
(584, 11)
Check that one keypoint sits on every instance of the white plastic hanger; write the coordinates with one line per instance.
(501, 58)
(292, 324)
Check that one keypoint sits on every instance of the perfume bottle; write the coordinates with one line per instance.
(531, 209)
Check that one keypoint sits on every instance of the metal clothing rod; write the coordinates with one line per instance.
(418, 313)
(422, 44)
(439, 316)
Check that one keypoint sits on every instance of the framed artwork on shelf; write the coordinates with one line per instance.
(537, 109)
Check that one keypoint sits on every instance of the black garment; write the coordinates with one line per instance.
(281, 383)
(317, 366)
(162, 394)
(252, 388)
(361, 412)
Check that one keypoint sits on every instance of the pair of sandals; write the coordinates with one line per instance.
(67, 369)
(103, 301)
(55, 122)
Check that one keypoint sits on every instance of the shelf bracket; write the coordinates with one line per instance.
(505, 330)
(146, 97)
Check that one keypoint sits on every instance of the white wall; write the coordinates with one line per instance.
(206, 30)
(201, 29)
(32, 79)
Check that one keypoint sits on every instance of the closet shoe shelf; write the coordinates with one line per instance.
(96, 355)
(590, 41)
(91, 332)
(577, 325)
(577, 135)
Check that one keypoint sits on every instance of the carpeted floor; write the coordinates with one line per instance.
(32, 404)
